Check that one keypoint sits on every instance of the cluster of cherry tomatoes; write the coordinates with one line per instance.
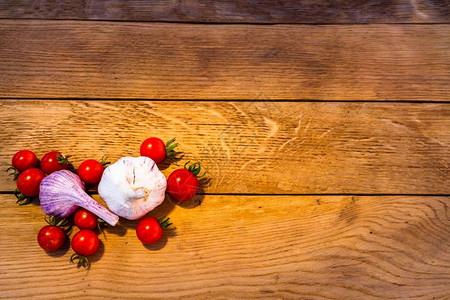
(29, 172)
(182, 185)
(84, 243)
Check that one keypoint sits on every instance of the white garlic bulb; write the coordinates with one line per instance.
(132, 187)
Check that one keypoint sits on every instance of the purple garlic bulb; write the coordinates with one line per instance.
(62, 192)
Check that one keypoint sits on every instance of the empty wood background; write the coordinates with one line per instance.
(324, 127)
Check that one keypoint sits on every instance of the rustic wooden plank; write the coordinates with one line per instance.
(179, 61)
(251, 147)
(233, 11)
(247, 247)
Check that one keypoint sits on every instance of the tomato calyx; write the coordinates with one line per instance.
(194, 169)
(62, 223)
(21, 198)
(165, 223)
(104, 161)
(15, 172)
(63, 159)
(83, 261)
(170, 149)
(100, 225)
(54, 221)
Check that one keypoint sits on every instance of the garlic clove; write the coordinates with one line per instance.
(132, 187)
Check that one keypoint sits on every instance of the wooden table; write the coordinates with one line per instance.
(324, 127)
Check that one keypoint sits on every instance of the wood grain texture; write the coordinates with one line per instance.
(246, 247)
(232, 11)
(251, 147)
(180, 61)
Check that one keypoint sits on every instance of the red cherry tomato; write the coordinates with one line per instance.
(24, 159)
(51, 238)
(85, 242)
(182, 185)
(154, 148)
(29, 181)
(91, 171)
(50, 164)
(149, 230)
(84, 219)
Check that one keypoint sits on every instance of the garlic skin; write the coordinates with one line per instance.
(132, 187)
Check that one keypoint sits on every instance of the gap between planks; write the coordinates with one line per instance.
(93, 193)
(228, 100)
(227, 23)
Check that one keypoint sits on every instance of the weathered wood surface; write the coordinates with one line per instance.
(251, 147)
(48, 59)
(272, 243)
(233, 11)
(246, 247)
